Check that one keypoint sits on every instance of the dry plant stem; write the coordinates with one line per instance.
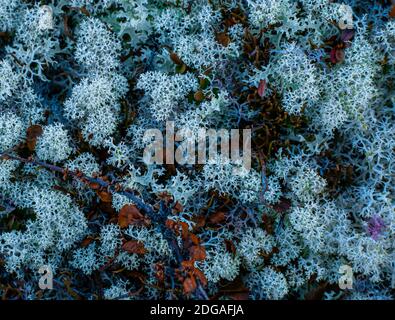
(110, 188)
(83, 178)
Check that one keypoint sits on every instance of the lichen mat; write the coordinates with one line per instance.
(299, 206)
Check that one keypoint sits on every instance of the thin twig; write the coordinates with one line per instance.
(110, 187)
(85, 179)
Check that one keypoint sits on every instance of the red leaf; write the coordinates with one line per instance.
(88, 240)
(175, 58)
(33, 132)
(171, 224)
(230, 247)
(129, 214)
(194, 238)
(262, 88)
(134, 246)
(217, 218)
(184, 230)
(333, 55)
(94, 185)
(178, 207)
(392, 12)
(188, 264)
(337, 55)
(240, 296)
(189, 285)
(282, 206)
(104, 196)
(200, 275)
(200, 221)
(199, 96)
(197, 253)
(223, 38)
(340, 55)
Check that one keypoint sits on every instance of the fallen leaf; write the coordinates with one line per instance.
(230, 247)
(392, 12)
(217, 217)
(223, 38)
(189, 285)
(94, 185)
(88, 240)
(200, 275)
(333, 55)
(134, 246)
(197, 252)
(104, 196)
(199, 222)
(337, 55)
(262, 88)
(340, 55)
(159, 272)
(171, 224)
(129, 214)
(178, 207)
(240, 296)
(176, 59)
(198, 96)
(33, 132)
(188, 264)
(282, 206)
(194, 238)
(164, 195)
(85, 11)
(66, 28)
(184, 230)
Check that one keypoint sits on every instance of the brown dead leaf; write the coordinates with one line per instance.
(223, 38)
(86, 242)
(200, 275)
(198, 96)
(230, 247)
(85, 11)
(134, 246)
(197, 252)
(94, 185)
(189, 285)
(171, 224)
(392, 12)
(240, 296)
(129, 214)
(217, 217)
(262, 88)
(188, 264)
(178, 207)
(176, 59)
(195, 240)
(66, 28)
(199, 222)
(282, 206)
(33, 132)
(184, 230)
(104, 196)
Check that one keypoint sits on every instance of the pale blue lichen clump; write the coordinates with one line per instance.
(89, 77)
